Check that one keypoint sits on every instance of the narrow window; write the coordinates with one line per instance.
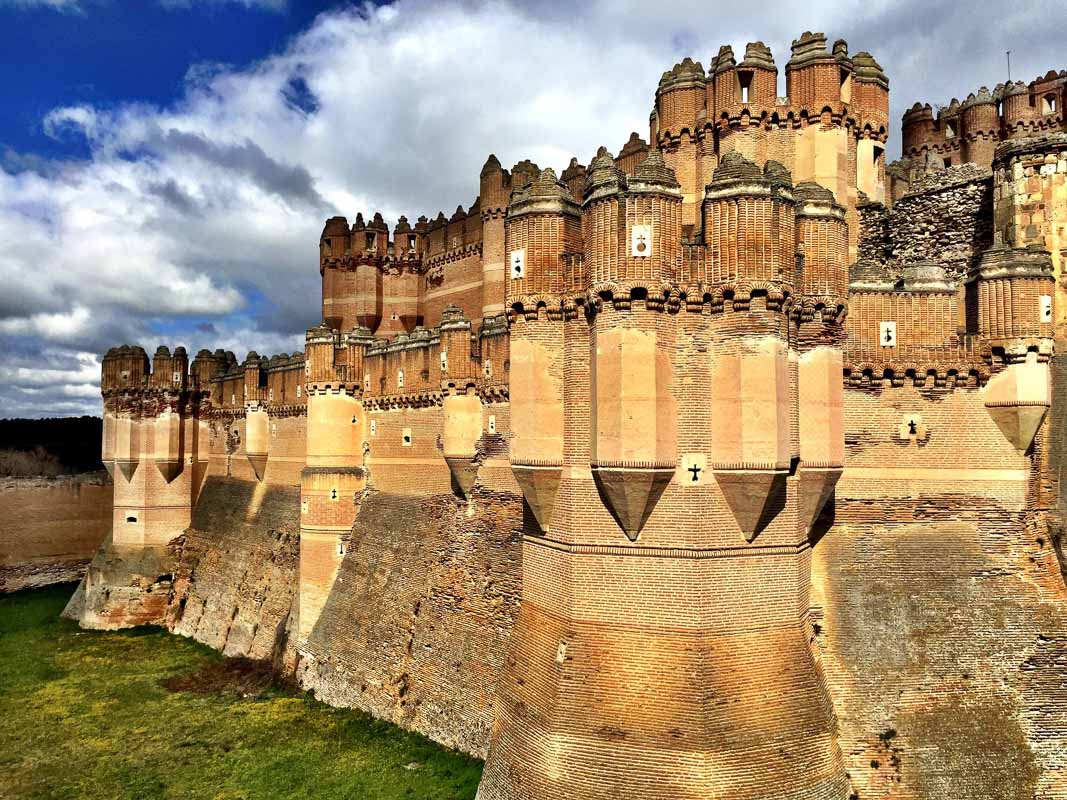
(846, 86)
(400, 379)
(1048, 104)
(950, 132)
(411, 243)
(370, 241)
(745, 79)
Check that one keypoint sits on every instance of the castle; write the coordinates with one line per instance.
(717, 468)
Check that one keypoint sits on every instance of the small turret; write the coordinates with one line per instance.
(869, 98)
(633, 153)
(743, 252)
(979, 127)
(917, 129)
(544, 222)
(335, 241)
(822, 243)
(816, 78)
(574, 176)
(1016, 110)
(460, 403)
(680, 98)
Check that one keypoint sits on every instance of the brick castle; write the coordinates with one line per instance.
(727, 466)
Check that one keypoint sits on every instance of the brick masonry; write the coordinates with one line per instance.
(721, 459)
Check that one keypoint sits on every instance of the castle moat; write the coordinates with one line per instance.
(141, 713)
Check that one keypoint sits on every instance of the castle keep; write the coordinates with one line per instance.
(720, 467)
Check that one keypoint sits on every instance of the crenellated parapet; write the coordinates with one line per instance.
(830, 128)
(969, 131)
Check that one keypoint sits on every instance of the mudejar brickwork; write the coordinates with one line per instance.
(724, 467)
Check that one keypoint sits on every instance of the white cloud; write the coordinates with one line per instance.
(209, 209)
(70, 6)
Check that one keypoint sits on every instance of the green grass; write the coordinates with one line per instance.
(84, 715)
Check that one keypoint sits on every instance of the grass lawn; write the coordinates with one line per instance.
(90, 715)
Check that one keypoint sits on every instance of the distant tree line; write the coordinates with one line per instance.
(49, 447)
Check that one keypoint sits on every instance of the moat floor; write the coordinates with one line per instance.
(145, 714)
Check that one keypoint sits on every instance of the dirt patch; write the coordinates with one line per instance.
(242, 677)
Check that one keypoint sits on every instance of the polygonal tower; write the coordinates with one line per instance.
(689, 433)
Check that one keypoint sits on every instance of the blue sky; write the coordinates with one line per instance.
(103, 53)
(166, 165)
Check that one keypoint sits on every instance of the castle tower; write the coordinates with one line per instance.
(1010, 296)
(333, 479)
(257, 422)
(869, 105)
(339, 295)
(918, 132)
(644, 601)
(543, 224)
(495, 188)
(979, 127)
(822, 260)
(681, 112)
(152, 437)
(749, 222)
(1017, 113)
(460, 402)
(633, 446)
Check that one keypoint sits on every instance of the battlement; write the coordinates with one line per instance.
(821, 83)
(127, 368)
(410, 369)
(968, 131)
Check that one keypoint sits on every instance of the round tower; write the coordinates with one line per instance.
(334, 252)
(817, 79)
(822, 244)
(543, 223)
(495, 188)
(632, 453)
(461, 405)
(917, 130)
(1016, 111)
(749, 225)
(751, 232)
(682, 111)
(333, 479)
(979, 127)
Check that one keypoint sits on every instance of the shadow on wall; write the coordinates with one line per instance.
(415, 629)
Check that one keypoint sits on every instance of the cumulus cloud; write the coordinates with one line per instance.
(196, 223)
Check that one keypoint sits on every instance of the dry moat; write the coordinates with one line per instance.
(142, 713)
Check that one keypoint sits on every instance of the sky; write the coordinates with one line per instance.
(166, 165)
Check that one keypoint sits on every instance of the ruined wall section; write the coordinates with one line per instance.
(51, 528)
(947, 218)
